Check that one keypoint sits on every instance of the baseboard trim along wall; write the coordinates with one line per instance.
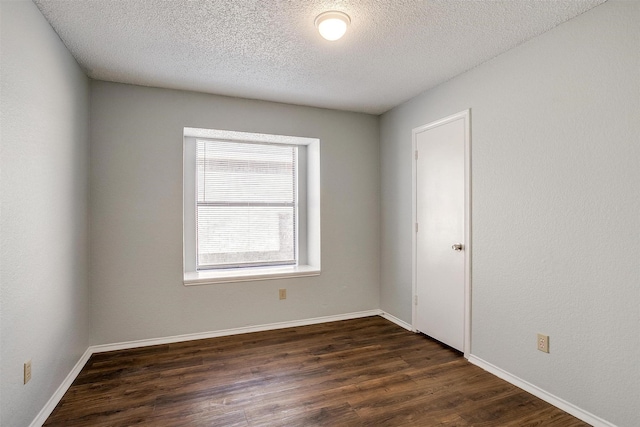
(397, 321)
(569, 408)
(234, 331)
(57, 396)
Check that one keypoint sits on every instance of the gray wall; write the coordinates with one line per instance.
(556, 208)
(44, 212)
(136, 211)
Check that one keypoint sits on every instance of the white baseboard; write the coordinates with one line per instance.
(397, 321)
(570, 408)
(57, 396)
(233, 331)
(53, 401)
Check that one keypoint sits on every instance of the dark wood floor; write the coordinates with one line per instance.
(353, 373)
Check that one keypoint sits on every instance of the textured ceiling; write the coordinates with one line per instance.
(270, 50)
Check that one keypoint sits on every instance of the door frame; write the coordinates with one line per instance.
(466, 116)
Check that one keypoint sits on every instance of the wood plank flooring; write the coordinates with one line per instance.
(362, 372)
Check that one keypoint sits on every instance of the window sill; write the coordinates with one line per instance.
(210, 277)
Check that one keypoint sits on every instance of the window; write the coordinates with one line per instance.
(246, 204)
(251, 206)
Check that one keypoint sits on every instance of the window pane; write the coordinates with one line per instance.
(232, 172)
(232, 235)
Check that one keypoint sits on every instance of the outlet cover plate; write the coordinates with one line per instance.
(27, 371)
(543, 343)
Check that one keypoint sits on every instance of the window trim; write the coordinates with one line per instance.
(208, 277)
(309, 255)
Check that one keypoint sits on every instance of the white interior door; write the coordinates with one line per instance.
(440, 202)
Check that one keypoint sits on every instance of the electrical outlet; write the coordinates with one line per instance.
(283, 294)
(27, 371)
(543, 343)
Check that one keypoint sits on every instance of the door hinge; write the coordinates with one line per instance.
(415, 300)
(416, 154)
(416, 227)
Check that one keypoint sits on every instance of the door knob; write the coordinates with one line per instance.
(457, 247)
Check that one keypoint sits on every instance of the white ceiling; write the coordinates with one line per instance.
(270, 50)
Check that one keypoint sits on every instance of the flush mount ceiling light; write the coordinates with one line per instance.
(332, 24)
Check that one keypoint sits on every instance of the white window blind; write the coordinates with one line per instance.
(246, 204)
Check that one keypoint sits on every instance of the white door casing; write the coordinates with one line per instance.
(441, 217)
